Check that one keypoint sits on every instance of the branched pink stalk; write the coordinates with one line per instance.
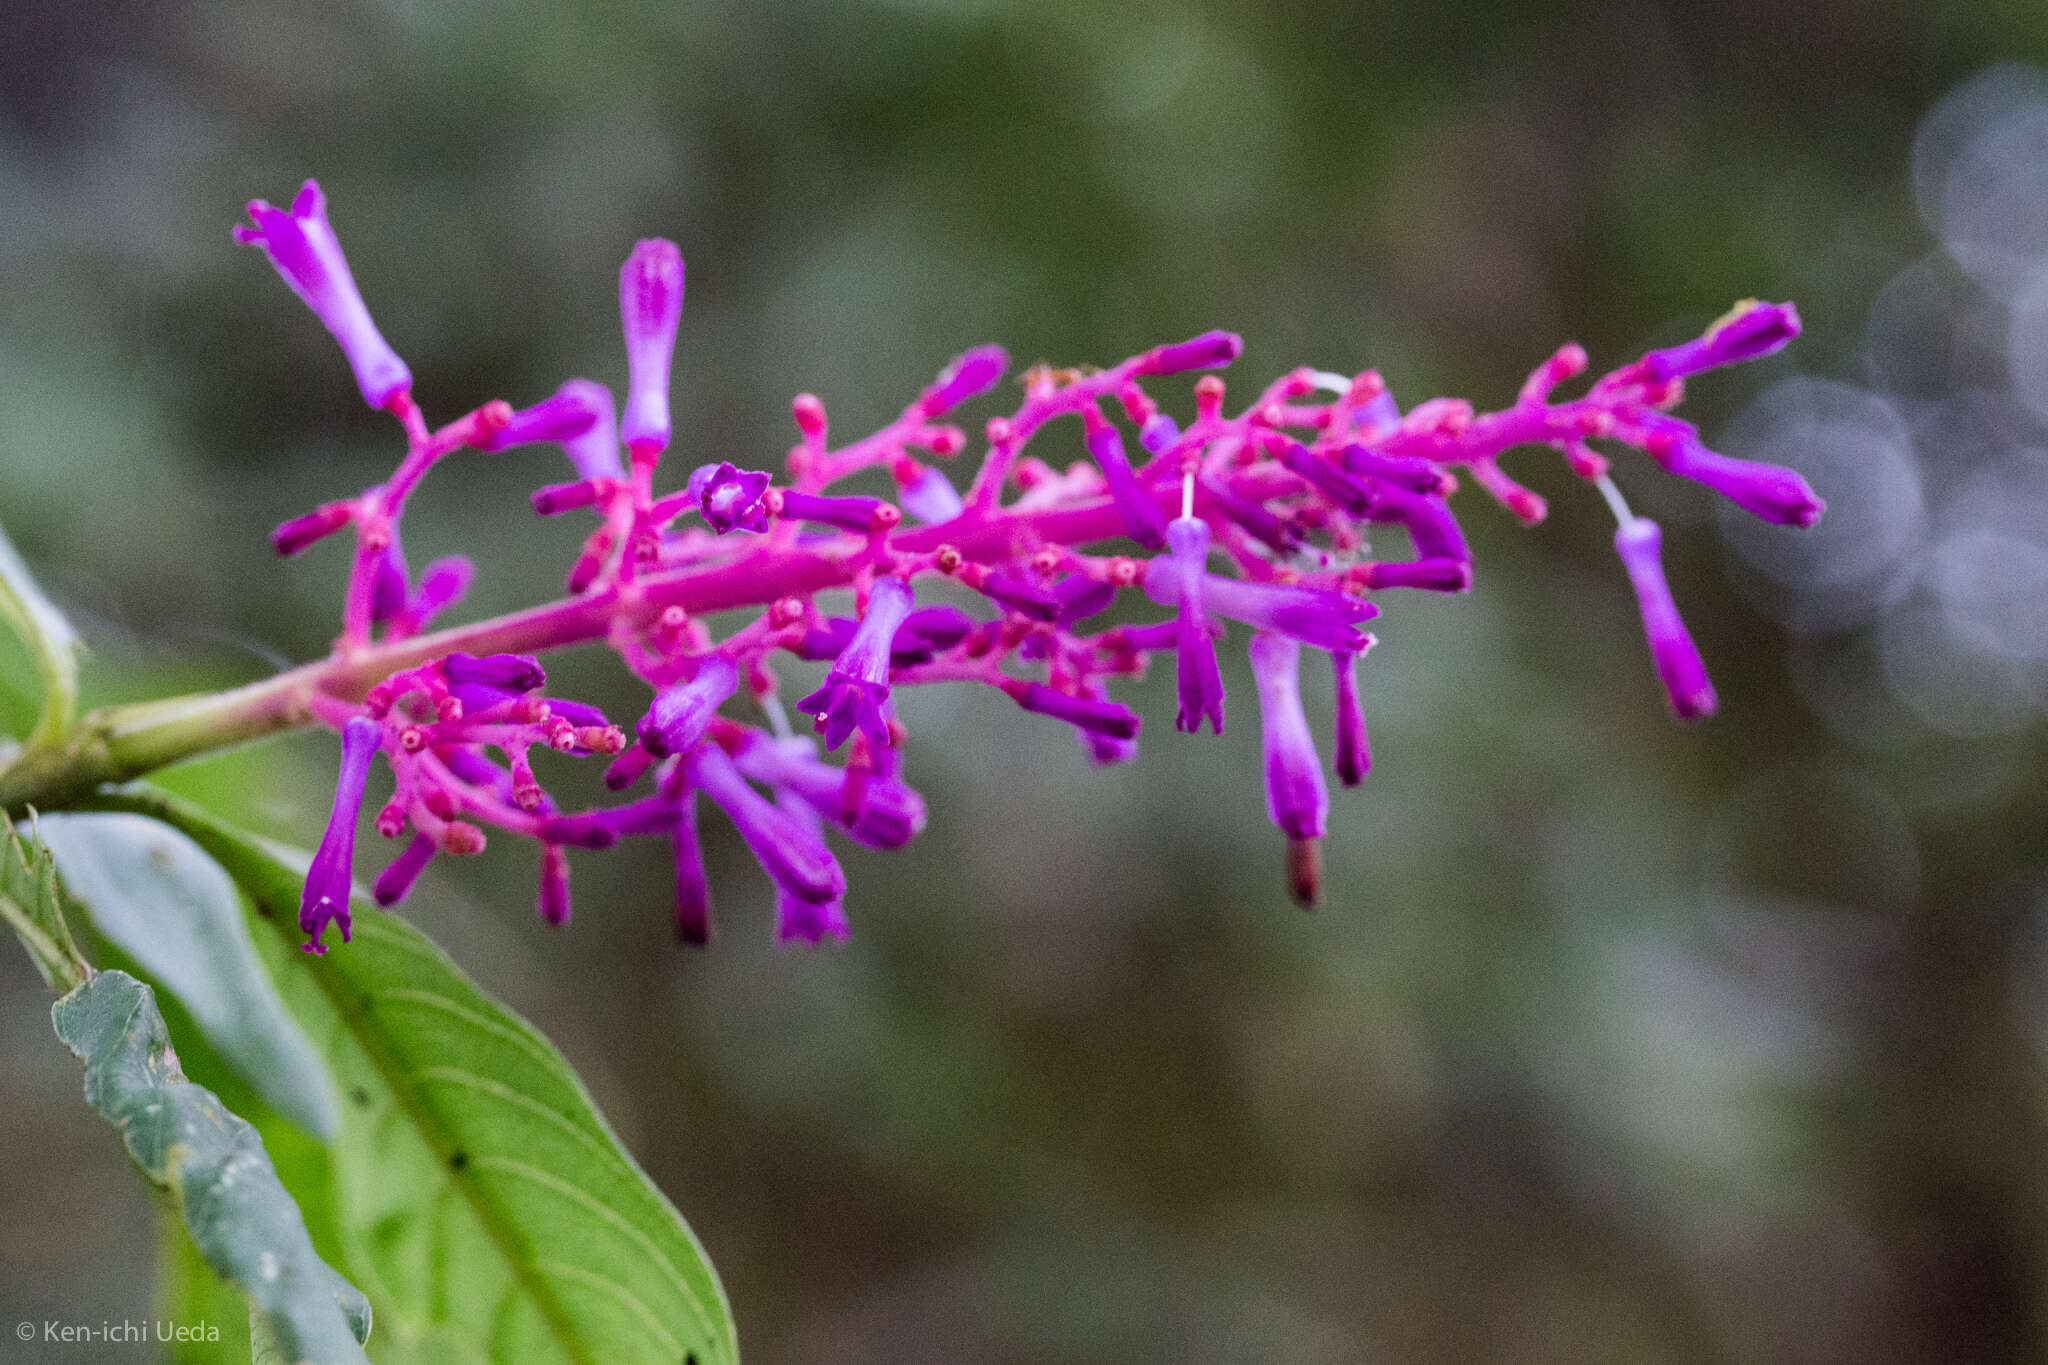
(1286, 491)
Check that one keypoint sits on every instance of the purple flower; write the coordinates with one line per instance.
(390, 585)
(1749, 331)
(886, 814)
(848, 514)
(1296, 798)
(970, 376)
(930, 496)
(553, 904)
(551, 500)
(395, 881)
(295, 535)
(650, 305)
(1314, 616)
(1775, 494)
(794, 857)
(1103, 749)
(798, 919)
(729, 498)
(1081, 597)
(1347, 492)
(507, 672)
(1091, 714)
(1209, 351)
(1196, 675)
(580, 418)
(1143, 521)
(443, 583)
(1354, 754)
(682, 713)
(1409, 472)
(693, 887)
(1639, 543)
(303, 248)
(1159, 432)
(325, 900)
(858, 683)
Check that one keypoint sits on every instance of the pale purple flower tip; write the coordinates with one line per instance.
(858, 683)
(1159, 432)
(595, 452)
(798, 920)
(395, 881)
(650, 304)
(1196, 675)
(325, 900)
(729, 498)
(510, 672)
(1382, 413)
(931, 497)
(442, 584)
(970, 376)
(553, 903)
(1354, 753)
(794, 857)
(1296, 798)
(1143, 521)
(1752, 330)
(693, 886)
(1314, 616)
(888, 814)
(1676, 658)
(1209, 351)
(682, 713)
(1771, 492)
(303, 248)
(1105, 718)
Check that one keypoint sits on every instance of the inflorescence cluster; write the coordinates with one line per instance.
(1282, 492)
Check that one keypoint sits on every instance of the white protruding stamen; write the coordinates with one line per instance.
(1615, 501)
(1330, 382)
(1187, 495)
(778, 719)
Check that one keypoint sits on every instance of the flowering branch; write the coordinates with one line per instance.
(1285, 493)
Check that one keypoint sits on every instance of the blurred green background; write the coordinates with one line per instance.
(1614, 1041)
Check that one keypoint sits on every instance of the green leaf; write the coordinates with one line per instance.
(30, 903)
(49, 638)
(213, 1166)
(480, 1200)
(156, 896)
(189, 1294)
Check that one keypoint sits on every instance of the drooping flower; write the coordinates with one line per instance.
(886, 813)
(1313, 616)
(1296, 799)
(651, 306)
(391, 585)
(1767, 491)
(858, 683)
(1748, 331)
(553, 903)
(395, 881)
(682, 712)
(1354, 753)
(303, 248)
(728, 498)
(1676, 658)
(1197, 678)
(325, 900)
(1091, 714)
(1143, 521)
(799, 919)
(795, 858)
(693, 887)
(579, 417)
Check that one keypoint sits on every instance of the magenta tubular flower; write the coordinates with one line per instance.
(507, 672)
(682, 713)
(650, 305)
(325, 900)
(1409, 472)
(859, 681)
(1313, 616)
(1081, 597)
(1676, 658)
(295, 535)
(888, 814)
(303, 248)
(442, 584)
(1143, 521)
(1209, 351)
(1008, 590)
(970, 376)
(394, 883)
(1159, 432)
(848, 514)
(553, 903)
(693, 887)
(728, 498)
(1771, 492)
(797, 919)
(1296, 798)
(1354, 753)
(1347, 492)
(579, 417)
(1199, 681)
(795, 858)
(390, 585)
(930, 497)
(1104, 750)
(1093, 715)
(1751, 331)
